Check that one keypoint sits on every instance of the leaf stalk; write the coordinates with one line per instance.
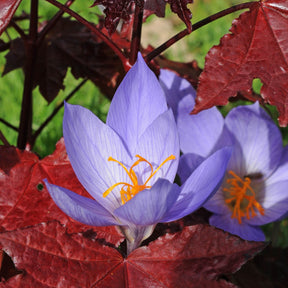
(25, 128)
(137, 29)
(96, 31)
(196, 26)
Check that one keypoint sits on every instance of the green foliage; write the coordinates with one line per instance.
(11, 89)
(88, 96)
(200, 41)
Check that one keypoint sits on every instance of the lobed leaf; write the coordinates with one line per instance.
(198, 256)
(7, 10)
(115, 11)
(123, 10)
(180, 8)
(256, 48)
(25, 201)
(49, 253)
(50, 257)
(69, 44)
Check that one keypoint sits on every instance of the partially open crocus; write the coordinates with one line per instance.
(254, 191)
(128, 165)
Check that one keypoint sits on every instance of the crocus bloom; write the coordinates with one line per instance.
(254, 191)
(128, 165)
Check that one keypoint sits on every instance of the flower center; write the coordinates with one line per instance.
(241, 198)
(128, 191)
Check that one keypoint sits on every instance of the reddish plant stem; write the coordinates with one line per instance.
(9, 125)
(3, 139)
(137, 29)
(18, 29)
(45, 123)
(196, 26)
(25, 128)
(96, 31)
(52, 22)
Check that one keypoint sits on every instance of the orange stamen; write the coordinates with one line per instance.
(242, 198)
(128, 191)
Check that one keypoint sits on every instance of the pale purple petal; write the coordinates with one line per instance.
(89, 143)
(149, 206)
(159, 141)
(281, 174)
(176, 88)
(80, 208)
(187, 164)
(256, 108)
(138, 101)
(135, 234)
(198, 133)
(202, 184)
(257, 137)
(216, 204)
(231, 225)
(274, 200)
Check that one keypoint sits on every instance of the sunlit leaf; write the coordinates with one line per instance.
(7, 10)
(257, 47)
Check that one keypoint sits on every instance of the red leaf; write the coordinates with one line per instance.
(69, 44)
(180, 8)
(256, 48)
(194, 257)
(115, 11)
(7, 267)
(122, 9)
(190, 70)
(155, 6)
(269, 267)
(24, 200)
(198, 252)
(49, 257)
(7, 10)
(70, 254)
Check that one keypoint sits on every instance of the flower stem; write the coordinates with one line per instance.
(25, 128)
(3, 139)
(196, 26)
(137, 28)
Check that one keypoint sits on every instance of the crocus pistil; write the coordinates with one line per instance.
(241, 197)
(129, 190)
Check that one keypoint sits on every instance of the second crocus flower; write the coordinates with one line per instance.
(254, 191)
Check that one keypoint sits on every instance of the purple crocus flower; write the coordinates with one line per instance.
(254, 191)
(128, 165)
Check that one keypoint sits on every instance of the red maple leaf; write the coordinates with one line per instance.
(115, 11)
(195, 257)
(48, 257)
(180, 8)
(256, 48)
(24, 200)
(156, 6)
(48, 252)
(69, 44)
(7, 10)
(121, 10)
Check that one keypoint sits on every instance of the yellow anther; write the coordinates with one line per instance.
(129, 190)
(241, 198)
